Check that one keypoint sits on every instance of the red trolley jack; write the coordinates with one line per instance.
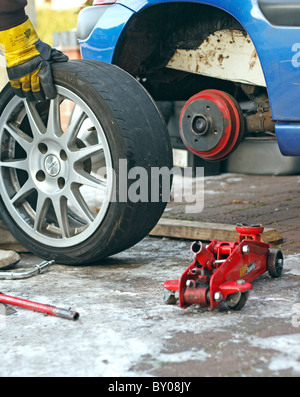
(223, 271)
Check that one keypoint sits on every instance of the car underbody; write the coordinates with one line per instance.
(177, 50)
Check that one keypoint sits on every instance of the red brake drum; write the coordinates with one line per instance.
(211, 124)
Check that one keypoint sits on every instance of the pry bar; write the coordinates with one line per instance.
(38, 307)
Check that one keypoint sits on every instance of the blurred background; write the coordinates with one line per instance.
(50, 16)
(55, 22)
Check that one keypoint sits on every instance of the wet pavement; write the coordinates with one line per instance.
(125, 329)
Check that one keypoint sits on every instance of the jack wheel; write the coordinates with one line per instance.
(275, 263)
(169, 297)
(237, 301)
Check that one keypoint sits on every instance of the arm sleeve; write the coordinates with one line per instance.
(12, 13)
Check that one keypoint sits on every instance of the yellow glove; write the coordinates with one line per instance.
(29, 62)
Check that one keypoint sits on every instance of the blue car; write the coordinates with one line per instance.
(233, 65)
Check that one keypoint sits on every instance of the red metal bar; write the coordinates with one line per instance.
(38, 307)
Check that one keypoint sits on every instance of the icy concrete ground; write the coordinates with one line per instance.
(125, 329)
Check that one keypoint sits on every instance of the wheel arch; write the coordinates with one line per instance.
(153, 35)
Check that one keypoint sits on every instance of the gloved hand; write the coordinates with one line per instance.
(29, 62)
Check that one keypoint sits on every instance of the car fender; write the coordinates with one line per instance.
(277, 47)
(107, 31)
(278, 50)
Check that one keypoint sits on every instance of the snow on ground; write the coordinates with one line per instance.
(125, 329)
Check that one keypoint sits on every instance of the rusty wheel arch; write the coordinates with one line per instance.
(152, 36)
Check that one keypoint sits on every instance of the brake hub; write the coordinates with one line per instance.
(211, 124)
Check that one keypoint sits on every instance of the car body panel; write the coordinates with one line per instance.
(100, 44)
(225, 54)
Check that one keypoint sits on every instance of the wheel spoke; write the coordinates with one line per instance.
(24, 192)
(54, 124)
(35, 121)
(87, 152)
(42, 206)
(81, 206)
(73, 128)
(83, 178)
(15, 163)
(61, 212)
(23, 139)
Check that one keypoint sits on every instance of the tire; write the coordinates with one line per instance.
(50, 167)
